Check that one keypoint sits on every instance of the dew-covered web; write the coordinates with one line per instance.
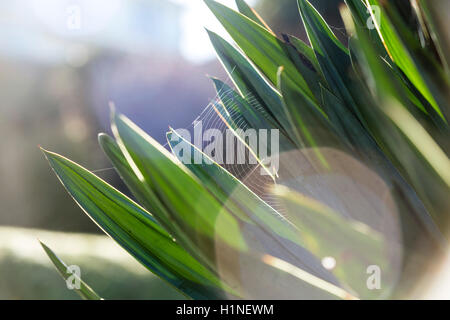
(250, 174)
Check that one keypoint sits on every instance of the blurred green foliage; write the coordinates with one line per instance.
(283, 16)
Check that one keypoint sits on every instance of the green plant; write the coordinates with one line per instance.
(380, 106)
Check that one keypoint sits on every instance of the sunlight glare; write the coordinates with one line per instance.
(195, 45)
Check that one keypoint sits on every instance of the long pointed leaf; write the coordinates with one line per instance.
(134, 229)
(84, 291)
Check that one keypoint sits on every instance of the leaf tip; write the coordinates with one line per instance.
(48, 154)
(103, 137)
(280, 72)
(43, 245)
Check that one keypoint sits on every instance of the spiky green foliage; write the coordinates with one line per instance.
(380, 104)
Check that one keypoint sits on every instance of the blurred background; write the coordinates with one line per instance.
(61, 63)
